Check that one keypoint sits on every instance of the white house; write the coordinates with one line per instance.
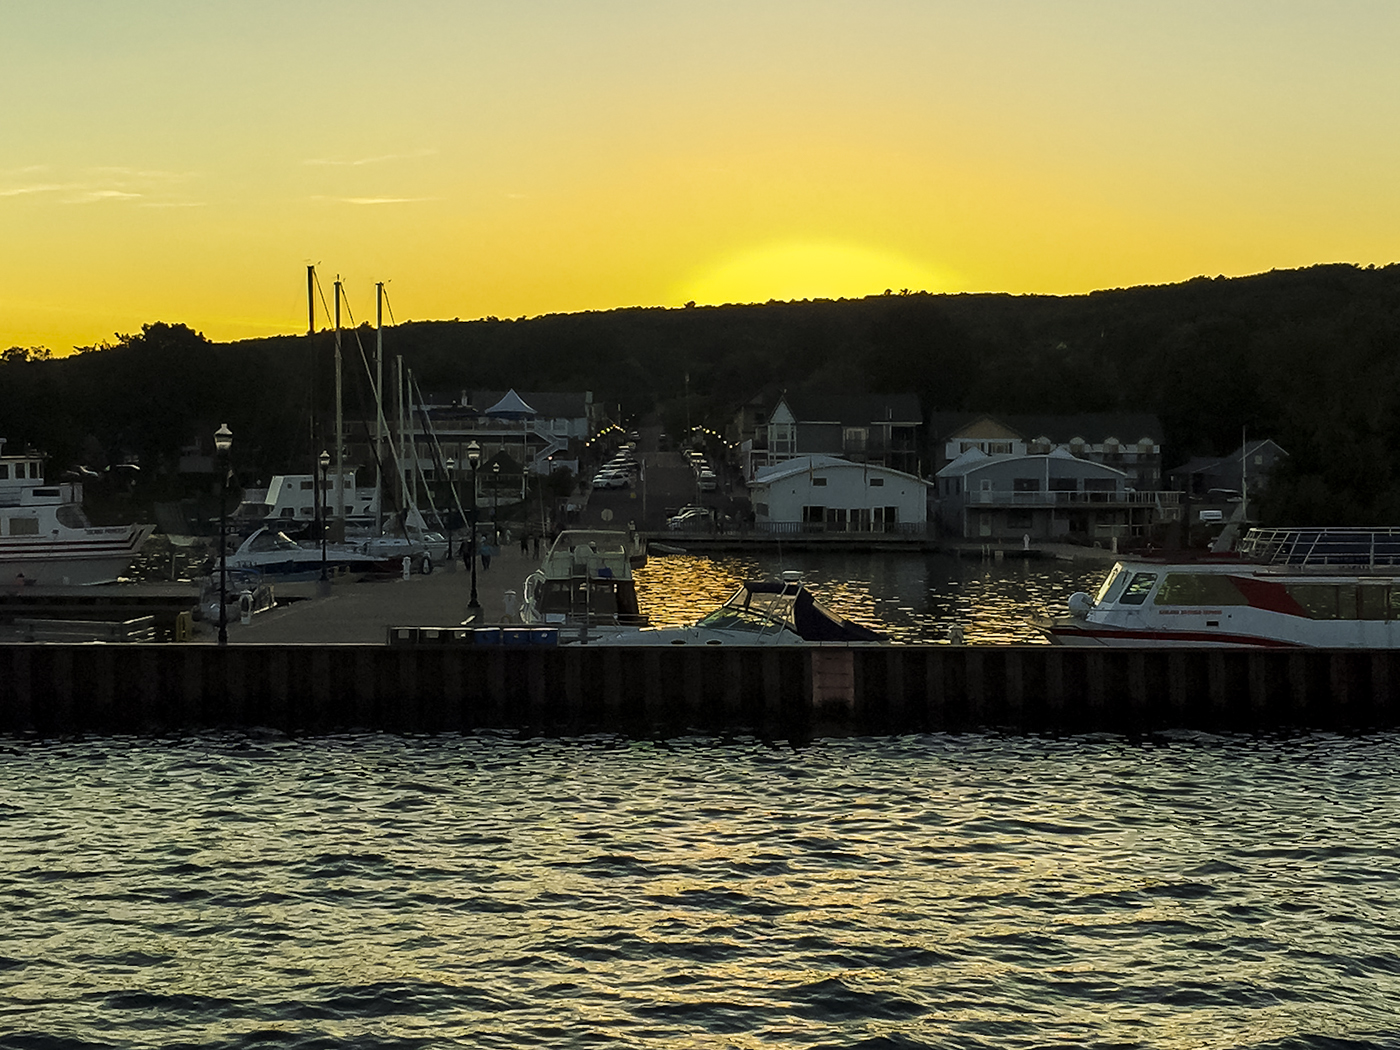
(826, 493)
(1054, 495)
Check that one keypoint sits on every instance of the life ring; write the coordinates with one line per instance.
(426, 565)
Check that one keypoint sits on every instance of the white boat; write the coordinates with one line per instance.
(1294, 587)
(585, 580)
(46, 538)
(275, 554)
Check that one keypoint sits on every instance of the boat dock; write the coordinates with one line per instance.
(330, 663)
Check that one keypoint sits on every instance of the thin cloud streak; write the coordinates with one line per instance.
(360, 162)
(374, 200)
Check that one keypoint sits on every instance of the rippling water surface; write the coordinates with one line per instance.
(912, 597)
(483, 891)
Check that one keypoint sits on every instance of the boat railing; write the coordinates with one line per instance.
(1306, 547)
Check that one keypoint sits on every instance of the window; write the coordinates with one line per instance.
(854, 438)
(1025, 484)
(1187, 588)
(4, 471)
(819, 481)
(1138, 587)
(1063, 485)
(999, 448)
(876, 482)
(761, 509)
(306, 486)
(24, 527)
(289, 512)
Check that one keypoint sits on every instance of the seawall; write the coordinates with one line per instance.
(778, 692)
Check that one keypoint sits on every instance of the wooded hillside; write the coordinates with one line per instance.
(1308, 357)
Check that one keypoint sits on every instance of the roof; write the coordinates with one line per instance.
(805, 464)
(973, 460)
(1093, 427)
(511, 406)
(1214, 464)
(856, 410)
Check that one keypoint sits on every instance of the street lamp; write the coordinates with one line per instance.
(325, 462)
(452, 492)
(223, 441)
(496, 502)
(473, 606)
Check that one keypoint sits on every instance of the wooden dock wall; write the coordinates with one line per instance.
(788, 693)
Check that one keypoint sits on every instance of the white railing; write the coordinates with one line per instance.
(1160, 498)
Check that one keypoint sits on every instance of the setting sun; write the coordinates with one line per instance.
(810, 270)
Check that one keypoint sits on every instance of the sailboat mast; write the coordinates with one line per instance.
(403, 434)
(379, 406)
(339, 426)
(311, 300)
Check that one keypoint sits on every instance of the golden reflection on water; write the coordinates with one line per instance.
(912, 597)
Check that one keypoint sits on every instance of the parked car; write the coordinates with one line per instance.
(690, 518)
(708, 481)
(611, 479)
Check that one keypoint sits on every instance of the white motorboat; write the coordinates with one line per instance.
(1299, 587)
(45, 537)
(585, 580)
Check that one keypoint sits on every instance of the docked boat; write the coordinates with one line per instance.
(585, 580)
(45, 537)
(1293, 587)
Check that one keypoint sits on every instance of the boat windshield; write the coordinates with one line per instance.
(272, 541)
(753, 611)
(1107, 584)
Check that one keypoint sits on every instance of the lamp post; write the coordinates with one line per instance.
(452, 492)
(473, 606)
(496, 503)
(325, 462)
(223, 441)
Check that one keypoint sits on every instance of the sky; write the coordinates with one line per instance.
(185, 161)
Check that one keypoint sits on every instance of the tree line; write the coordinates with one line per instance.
(1308, 357)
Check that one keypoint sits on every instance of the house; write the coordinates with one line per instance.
(830, 494)
(879, 429)
(1227, 477)
(1128, 441)
(1052, 495)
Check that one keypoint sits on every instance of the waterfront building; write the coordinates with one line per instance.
(1227, 477)
(1127, 441)
(831, 494)
(1053, 495)
(877, 429)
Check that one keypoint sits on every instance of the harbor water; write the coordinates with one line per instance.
(257, 891)
(914, 597)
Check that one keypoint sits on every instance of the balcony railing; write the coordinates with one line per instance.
(1157, 498)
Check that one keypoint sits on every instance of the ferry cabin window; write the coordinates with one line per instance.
(1346, 601)
(1190, 588)
(4, 472)
(1138, 587)
(23, 527)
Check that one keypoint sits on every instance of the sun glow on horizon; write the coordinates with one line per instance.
(810, 269)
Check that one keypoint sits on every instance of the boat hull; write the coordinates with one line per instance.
(78, 558)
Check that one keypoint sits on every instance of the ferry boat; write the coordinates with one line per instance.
(45, 537)
(1289, 587)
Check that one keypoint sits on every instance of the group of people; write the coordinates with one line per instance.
(487, 549)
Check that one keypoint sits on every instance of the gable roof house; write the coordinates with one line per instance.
(830, 494)
(880, 429)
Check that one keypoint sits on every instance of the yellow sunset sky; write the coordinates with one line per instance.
(184, 161)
